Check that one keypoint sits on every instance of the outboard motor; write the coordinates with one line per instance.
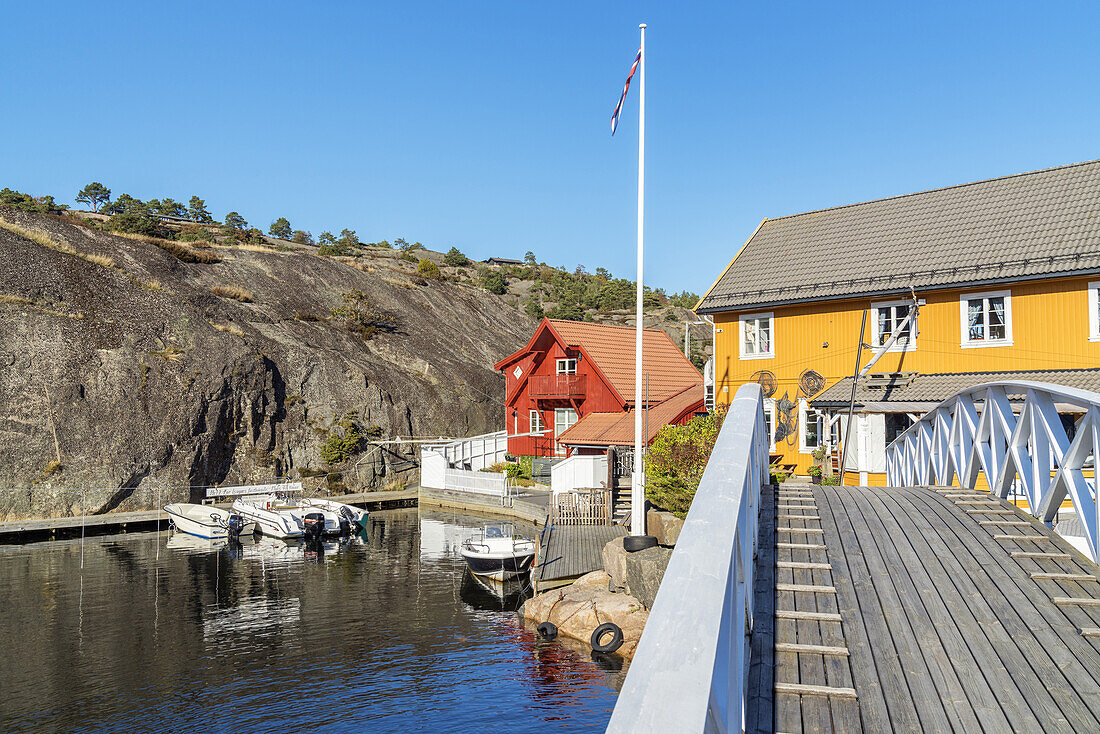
(314, 526)
(235, 526)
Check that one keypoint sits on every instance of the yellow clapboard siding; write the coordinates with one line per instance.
(1050, 330)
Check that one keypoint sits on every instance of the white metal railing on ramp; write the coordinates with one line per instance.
(979, 431)
(690, 669)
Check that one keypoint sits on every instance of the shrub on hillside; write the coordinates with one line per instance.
(494, 282)
(428, 269)
(676, 460)
(361, 316)
(346, 439)
(28, 203)
(455, 258)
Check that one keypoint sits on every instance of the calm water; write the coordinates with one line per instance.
(384, 635)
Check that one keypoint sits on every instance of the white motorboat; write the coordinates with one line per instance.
(353, 515)
(498, 552)
(312, 518)
(273, 515)
(205, 521)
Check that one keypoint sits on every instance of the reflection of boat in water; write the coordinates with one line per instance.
(488, 594)
(194, 544)
(498, 553)
(205, 521)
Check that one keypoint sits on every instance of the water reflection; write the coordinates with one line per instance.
(381, 632)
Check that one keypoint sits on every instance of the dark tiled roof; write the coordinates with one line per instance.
(933, 388)
(1027, 225)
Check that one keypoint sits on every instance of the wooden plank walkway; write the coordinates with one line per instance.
(956, 616)
(567, 552)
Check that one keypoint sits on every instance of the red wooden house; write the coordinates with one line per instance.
(571, 388)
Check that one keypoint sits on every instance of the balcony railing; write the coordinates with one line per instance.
(556, 386)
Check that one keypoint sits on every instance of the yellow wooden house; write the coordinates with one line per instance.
(1003, 276)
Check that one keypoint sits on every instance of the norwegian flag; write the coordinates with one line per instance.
(619, 107)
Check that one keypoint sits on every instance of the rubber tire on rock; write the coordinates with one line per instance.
(547, 630)
(616, 637)
(635, 543)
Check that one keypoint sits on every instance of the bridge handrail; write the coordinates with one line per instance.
(690, 668)
(955, 439)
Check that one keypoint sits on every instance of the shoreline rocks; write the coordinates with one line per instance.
(579, 609)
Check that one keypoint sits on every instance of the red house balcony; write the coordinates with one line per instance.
(556, 386)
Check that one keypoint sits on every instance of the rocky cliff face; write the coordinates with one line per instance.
(125, 367)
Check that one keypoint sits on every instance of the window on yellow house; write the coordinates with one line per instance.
(887, 318)
(756, 336)
(986, 319)
(810, 428)
(1094, 311)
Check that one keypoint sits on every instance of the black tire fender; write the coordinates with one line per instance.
(635, 543)
(601, 632)
(547, 630)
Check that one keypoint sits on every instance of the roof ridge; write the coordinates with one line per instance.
(930, 191)
(607, 326)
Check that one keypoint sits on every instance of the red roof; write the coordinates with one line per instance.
(617, 429)
(611, 348)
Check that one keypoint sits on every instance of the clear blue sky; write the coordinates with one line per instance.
(486, 125)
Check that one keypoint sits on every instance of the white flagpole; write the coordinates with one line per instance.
(637, 485)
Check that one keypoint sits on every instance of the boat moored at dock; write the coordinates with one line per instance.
(498, 552)
(205, 521)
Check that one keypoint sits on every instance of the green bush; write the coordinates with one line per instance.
(676, 460)
(360, 315)
(28, 203)
(494, 282)
(346, 439)
(455, 258)
(428, 269)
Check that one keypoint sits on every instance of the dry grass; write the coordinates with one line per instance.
(151, 285)
(365, 267)
(182, 252)
(52, 468)
(40, 307)
(228, 328)
(249, 247)
(170, 353)
(100, 260)
(399, 283)
(232, 291)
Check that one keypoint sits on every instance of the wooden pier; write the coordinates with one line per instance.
(567, 552)
(919, 609)
(55, 528)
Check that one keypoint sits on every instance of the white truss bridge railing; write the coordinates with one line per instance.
(690, 670)
(979, 431)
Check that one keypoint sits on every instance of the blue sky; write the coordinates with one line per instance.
(486, 125)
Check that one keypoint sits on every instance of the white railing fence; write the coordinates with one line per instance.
(690, 669)
(578, 472)
(476, 482)
(979, 431)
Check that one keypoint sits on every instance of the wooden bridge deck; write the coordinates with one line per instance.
(919, 609)
(567, 552)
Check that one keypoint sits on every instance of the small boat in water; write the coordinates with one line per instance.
(498, 552)
(205, 521)
(311, 518)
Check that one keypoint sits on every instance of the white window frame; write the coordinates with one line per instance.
(964, 329)
(558, 431)
(741, 335)
(804, 414)
(1094, 311)
(564, 367)
(537, 426)
(769, 412)
(878, 337)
